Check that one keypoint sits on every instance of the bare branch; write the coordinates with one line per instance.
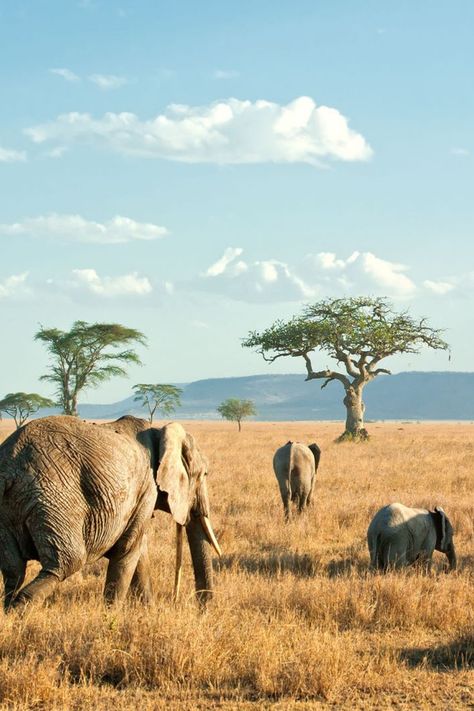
(381, 371)
(330, 375)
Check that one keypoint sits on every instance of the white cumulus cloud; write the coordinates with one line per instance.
(221, 265)
(8, 155)
(328, 260)
(266, 280)
(312, 277)
(438, 287)
(124, 285)
(108, 81)
(224, 132)
(75, 228)
(387, 275)
(14, 285)
(359, 273)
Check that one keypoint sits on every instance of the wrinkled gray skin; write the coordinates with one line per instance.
(72, 492)
(295, 466)
(399, 536)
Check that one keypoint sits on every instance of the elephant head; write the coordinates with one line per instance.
(444, 535)
(180, 474)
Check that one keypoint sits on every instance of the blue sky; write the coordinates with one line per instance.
(197, 170)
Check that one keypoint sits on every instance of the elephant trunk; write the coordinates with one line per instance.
(451, 556)
(200, 548)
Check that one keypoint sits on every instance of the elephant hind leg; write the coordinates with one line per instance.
(140, 586)
(285, 491)
(38, 590)
(392, 556)
(310, 492)
(302, 502)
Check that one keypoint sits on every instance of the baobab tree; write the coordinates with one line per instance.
(358, 333)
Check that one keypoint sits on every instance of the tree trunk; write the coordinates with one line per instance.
(354, 415)
(74, 405)
(240, 427)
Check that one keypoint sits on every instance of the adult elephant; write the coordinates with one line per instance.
(399, 536)
(72, 492)
(295, 466)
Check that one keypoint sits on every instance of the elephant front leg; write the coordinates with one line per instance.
(120, 571)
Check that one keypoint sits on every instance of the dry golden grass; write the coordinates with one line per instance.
(297, 621)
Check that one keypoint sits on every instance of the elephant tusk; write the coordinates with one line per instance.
(179, 561)
(211, 536)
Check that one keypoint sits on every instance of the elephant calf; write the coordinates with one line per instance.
(295, 466)
(398, 536)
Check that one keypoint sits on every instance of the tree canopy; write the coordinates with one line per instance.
(158, 397)
(236, 410)
(21, 405)
(356, 332)
(86, 356)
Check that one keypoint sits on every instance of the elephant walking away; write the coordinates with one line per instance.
(72, 492)
(399, 536)
(295, 466)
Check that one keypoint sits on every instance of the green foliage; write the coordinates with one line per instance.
(158, 396)
(86, 356)
(236, 410)
(21, 405)
(349, 327)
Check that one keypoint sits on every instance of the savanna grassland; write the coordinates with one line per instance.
(297, 621)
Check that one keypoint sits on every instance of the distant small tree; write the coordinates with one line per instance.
(21, 405)
(236, 410)
(158, 397)
(85, 356)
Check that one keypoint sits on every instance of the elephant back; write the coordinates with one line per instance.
(76, 478)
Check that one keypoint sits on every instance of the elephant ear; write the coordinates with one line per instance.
(196, 463)
(442, 534)
(173, 472)
(316, 454)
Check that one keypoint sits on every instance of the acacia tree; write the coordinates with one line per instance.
(236, 410)
(21, 405)
(158, 396)
(85, 356)
(358, 333)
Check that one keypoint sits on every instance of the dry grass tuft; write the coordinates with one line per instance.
(297, 622)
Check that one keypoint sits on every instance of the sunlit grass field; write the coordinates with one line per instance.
(297, 621)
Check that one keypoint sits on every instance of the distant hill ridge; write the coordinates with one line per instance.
(404, 396)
